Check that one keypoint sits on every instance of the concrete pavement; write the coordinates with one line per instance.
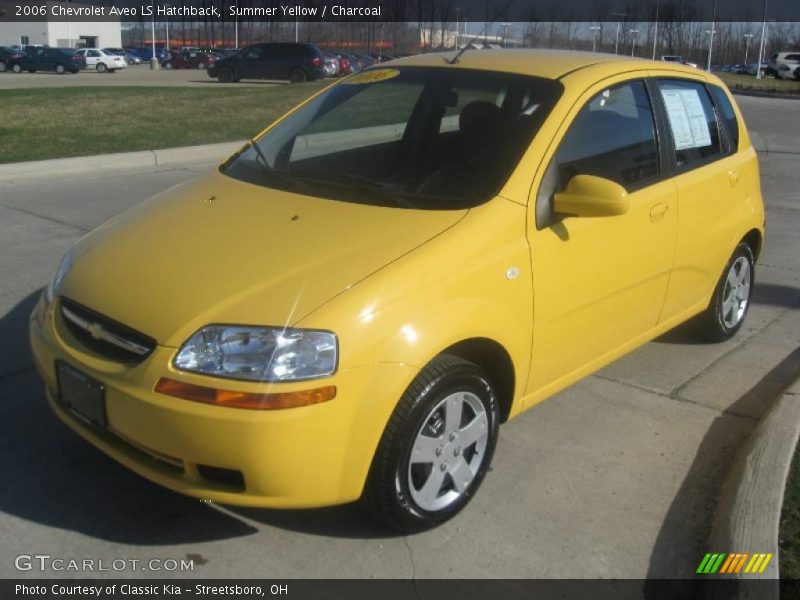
(618, 476)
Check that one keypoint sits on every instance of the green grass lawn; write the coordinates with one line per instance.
(80, 121)
(766, 84)
(790, 524)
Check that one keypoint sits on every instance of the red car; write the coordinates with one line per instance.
(188, 60)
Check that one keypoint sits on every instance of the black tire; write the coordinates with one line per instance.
(61, 69)
(716, 323)
(225, 75)
(297, 76)
(390, 490)
(15, 68)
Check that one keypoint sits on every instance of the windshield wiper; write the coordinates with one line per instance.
(359, 183)
(271, 172)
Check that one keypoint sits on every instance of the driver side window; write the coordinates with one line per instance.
(613, 136)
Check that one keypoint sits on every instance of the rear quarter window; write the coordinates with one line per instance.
(727, 113)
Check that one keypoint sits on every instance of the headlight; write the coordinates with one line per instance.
(259, 353)
(63, 268)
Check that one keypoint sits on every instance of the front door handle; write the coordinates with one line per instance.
(658, 211)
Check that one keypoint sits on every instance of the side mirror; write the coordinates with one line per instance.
(590, 196)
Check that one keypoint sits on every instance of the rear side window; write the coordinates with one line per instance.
(692, 121)
(727, 113)
(614, 137)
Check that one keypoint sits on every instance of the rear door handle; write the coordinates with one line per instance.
(658, 211)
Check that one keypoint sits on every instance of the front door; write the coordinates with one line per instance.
(599, 282)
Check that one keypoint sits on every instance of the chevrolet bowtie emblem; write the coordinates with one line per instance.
(95, 330)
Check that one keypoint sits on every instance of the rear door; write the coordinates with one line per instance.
(251, 62)
(708, 174)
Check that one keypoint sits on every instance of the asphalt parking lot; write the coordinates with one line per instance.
(617, 477)
(136, 75)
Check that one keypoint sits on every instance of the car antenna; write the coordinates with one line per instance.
(494, 18)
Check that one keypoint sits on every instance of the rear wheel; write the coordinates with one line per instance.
(297, 76)
(201, 65)
(225, 75)
(16, 68)
(3, 67)
(731, 299)
(60, 69)
(101, 68)
(436, 448)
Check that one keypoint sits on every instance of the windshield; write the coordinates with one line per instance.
(414, 137)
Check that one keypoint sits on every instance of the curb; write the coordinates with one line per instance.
(757, 94)
(750, 502)
(121, 162)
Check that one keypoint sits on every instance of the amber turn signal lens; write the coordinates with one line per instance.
(232, 399)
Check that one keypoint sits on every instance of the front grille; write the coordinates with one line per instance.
(105, 336)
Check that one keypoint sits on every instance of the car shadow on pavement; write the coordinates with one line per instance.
(53, 478)
(768, 294)
(684, 535)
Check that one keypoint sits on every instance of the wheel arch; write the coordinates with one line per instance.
(753, 239)
(495, 360)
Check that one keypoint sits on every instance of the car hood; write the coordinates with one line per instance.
(220, 250)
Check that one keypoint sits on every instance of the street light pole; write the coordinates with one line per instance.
(763, 40)
(594, 28)
(153, 60)
(618, 15)
(747, 38)
(655, 33)
(712, 32)
(634, 32)
(236, 26)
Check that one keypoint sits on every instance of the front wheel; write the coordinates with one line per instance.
(297, 76)
(731, 299)
(225, 76)
(436, 448)
(3, 66)
(16, 68)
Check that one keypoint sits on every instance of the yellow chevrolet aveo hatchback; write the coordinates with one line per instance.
(350, 305)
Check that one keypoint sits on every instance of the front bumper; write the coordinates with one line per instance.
(302, 457)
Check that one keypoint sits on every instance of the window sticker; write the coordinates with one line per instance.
(687, 119)
(371, 76)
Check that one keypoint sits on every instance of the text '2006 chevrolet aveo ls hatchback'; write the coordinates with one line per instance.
(349, 306)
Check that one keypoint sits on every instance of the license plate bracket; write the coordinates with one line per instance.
(84, 396)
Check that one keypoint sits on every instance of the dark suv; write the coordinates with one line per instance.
(295, 62)
(59, 60)
(7, 55)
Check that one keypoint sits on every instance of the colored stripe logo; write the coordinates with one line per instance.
(734, 563)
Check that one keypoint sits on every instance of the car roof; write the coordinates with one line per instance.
(550, 64)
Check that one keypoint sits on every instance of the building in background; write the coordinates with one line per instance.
(62, 33)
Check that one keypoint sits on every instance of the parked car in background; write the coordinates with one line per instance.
(782, 58)
(677, 59)
(188, 60)
(60, 60)
(788, 71)
(145, 53)
(295, 62)
(344, 64)
(130, 58)
(332, 67)
(752, 69)
(7, 56)
(102, 61)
